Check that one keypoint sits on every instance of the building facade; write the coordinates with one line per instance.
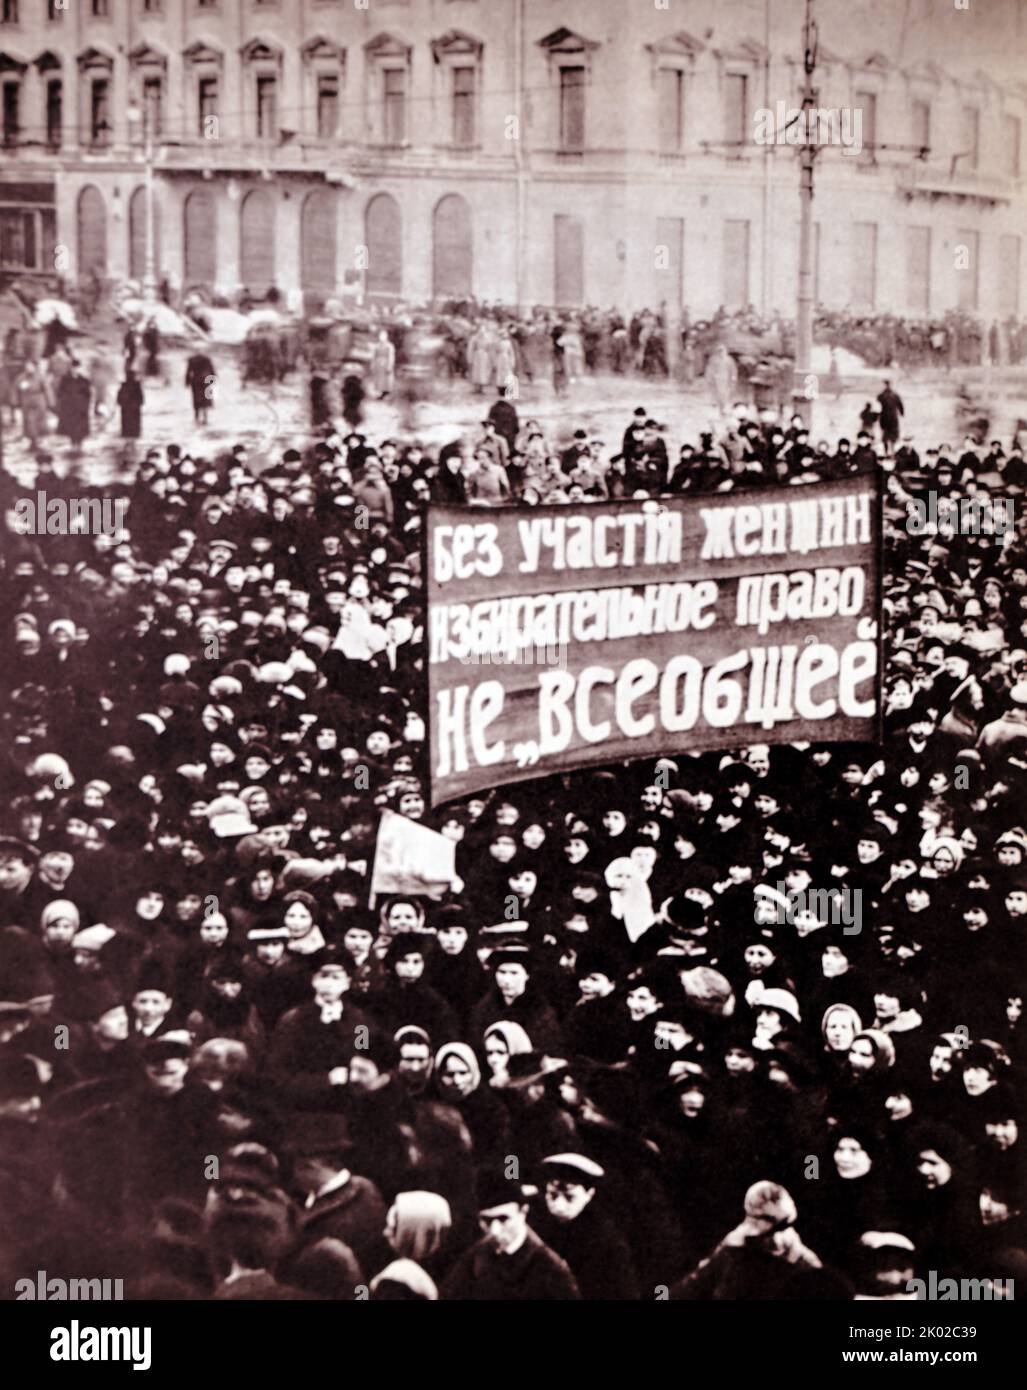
(530, 151)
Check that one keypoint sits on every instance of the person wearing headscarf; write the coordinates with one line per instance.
(458, 1079)
(500, 1042)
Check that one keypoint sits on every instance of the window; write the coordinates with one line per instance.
(736, 108)
(18, 240)
(572, 108)
(1011, 145)
(153, 6)
(8, 11)
(153, 105)
(327, 105)
(921, 123)
(866, 104)
(395, 98)
(968, 242)
(11, 100)
(100, 9)
(864, 265)
(971, 137)
(267, 108)
(1009, 275)
(670, 94)
(463, 106)
(918, 269)
(54, 11)
(54, 113)
(735, 294)
(207, 102)
(99, 112)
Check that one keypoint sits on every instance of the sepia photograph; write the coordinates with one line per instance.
(366, 367)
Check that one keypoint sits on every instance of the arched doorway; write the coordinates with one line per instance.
(92, 232)
(137, 235)
(257, 241)
(453, 249)
(383, 235)
(200, 259)
(318, 270)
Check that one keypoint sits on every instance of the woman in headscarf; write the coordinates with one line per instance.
(500, 1042)
(839, 1028)
(630, 898)
(403, 1281)
(863, 1089)
(59, 920)
(459, 1080)
(855, 1193)
(417, 1227)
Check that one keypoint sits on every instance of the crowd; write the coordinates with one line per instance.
(740, 1025)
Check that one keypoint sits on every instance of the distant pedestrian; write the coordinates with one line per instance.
(130, 402)
(383, 366)
(202, 381)
(74, 396)
(892, 411)
(151, 345)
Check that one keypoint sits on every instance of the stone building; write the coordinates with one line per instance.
(532, 151)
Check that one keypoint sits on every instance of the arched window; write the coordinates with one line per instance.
(383, 232)
(92, 231)
(453, 252)
(257, 241)
(200, 239)
(137, 235)
(317, 242)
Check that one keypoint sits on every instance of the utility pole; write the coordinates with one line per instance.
(804, 306)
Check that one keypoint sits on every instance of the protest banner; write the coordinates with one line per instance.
(411, 858)
(561, 638)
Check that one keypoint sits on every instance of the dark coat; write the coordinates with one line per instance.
(198, 370)
(130, 401)
(533, 1272)
(304, 1050)
(73, 399)
(595, 1251)
(355, 1214)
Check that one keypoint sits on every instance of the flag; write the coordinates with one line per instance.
(410, 858)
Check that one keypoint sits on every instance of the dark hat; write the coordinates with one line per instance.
(167, 1046)
(525, 1068)
(153, 974)
(96, 997)
(314, 1134)
(495, 1189)
(12, 848)
(252, 1166)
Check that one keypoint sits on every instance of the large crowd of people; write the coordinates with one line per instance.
(724, 1026)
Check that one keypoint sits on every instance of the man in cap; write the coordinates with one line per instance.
(573, 1224)
(17, 867)
(763, 1257)
(509, 1263)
